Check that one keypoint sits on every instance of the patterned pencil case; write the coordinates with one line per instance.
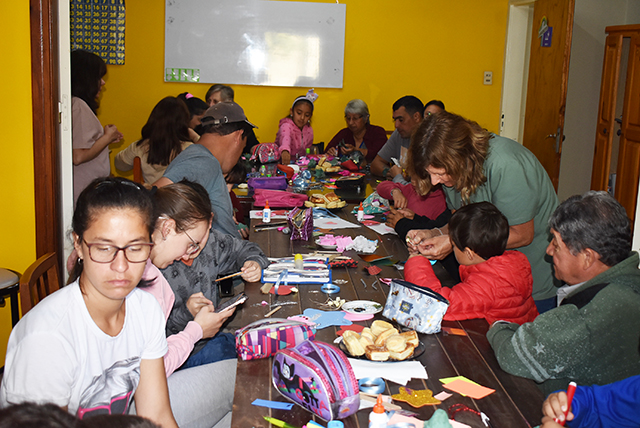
(318, 377)
(263, 338)
(418, 308)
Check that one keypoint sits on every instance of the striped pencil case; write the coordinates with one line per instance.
(263, 338)
(318, 377)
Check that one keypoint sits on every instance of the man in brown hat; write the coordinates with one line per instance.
(218, 150)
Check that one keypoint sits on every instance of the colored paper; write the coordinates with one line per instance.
(357, 317)
(473, 390)
(451, 379)
(353, 327)
(442, 396)
(454, 331)
(272, 404)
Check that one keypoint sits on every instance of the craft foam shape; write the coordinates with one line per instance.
(416, 397)
(353, 327)
(325, 319)
(357, 317)
(467, 388)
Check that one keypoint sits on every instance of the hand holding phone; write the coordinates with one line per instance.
(238, 300)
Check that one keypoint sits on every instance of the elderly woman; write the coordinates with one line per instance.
(474, 165)
(359, 134)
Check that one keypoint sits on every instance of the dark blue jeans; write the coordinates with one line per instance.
(220, 347)
(546, 304)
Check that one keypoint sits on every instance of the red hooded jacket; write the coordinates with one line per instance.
(497, 289)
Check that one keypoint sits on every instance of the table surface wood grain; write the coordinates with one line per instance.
(517, 401)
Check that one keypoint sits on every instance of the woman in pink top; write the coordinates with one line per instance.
(294, 131)
(90, 140)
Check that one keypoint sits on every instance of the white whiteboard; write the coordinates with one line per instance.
(255, 42)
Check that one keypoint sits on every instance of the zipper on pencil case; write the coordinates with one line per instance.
(348, 377)
(421, 290)
(327, 355)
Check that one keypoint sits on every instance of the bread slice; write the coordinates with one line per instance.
(407, 352)
(366, 332)
(395, 343)
(377, 353)
(352, 342)
(365, 341)
(382, 337)
(378, 326)
(411, 336)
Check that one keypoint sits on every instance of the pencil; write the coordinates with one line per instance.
(228, 276)
(273, 312)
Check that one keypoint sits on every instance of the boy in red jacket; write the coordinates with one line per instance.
(495, 284)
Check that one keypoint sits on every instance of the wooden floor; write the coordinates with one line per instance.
(516, 403)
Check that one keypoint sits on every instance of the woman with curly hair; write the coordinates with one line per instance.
(473, 165)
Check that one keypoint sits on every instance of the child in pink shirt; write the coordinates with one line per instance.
(294, 131)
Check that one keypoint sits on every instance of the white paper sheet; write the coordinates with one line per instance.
(399, 372)
(382, 229)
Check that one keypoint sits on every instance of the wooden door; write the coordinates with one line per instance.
(547, 86)
(628, 170)
(606, 112)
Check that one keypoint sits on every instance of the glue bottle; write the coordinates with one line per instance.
(378, 418)
(360, 215)
(266, 213)
(298, 262)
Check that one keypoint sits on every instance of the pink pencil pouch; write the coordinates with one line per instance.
(263, 338)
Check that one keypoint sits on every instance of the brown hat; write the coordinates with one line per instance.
(224, 112)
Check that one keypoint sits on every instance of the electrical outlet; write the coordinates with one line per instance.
(488, 77)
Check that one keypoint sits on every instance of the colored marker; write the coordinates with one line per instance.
(570, 391)
(278, 422)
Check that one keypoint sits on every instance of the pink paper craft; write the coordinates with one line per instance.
(469, 389)
(442, 396)
(357, 317)
(370, 222)
(368, 216)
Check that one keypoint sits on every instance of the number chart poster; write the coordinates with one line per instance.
(98, 26)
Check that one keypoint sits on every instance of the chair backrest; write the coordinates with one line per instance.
(137, 170)
(38, 281)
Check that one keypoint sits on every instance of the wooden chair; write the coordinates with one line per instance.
(137, 170)
(38, 281)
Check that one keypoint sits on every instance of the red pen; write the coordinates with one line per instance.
(570, 391)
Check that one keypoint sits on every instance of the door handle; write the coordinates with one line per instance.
(558, 137)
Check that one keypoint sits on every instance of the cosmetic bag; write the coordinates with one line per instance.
(263, 338)
(301, 224)
(318, 377)
(418, 308)
(273, 183)
(265, 152)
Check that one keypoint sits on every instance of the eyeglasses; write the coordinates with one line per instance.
(193, 247)
(104, 253)
(353, 118)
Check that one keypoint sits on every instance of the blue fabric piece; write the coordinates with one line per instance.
(545, 305)
(614, 405)
(220, 347)
(272, 404)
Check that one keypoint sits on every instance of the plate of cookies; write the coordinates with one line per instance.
(382, 342)
(329, 200)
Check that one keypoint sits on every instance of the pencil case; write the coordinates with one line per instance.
(318, 377)
(273, 183)
(263, 338)
(418, 308)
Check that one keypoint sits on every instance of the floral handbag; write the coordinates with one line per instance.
(418, 308)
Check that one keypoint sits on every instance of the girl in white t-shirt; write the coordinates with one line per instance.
(98, 342)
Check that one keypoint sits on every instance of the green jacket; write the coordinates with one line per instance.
(597, 343)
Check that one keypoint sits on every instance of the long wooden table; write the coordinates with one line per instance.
(517, 401)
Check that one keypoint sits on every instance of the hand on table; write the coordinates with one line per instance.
(211, 321)
(196, 302)
(251, 271)
(554, 407)
(399, 200)
(432, 245)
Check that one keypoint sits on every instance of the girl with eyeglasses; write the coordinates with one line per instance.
(97, 343)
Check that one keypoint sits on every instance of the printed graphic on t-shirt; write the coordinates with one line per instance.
(111, 392)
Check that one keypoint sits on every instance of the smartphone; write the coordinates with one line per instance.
(238, 300)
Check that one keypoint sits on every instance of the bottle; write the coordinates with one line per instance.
(266, 213)
(378, 418)
(263, 171)
(360, 215)
(298, 263)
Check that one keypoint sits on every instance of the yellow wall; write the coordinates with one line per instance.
(17, 234)
(431, 49)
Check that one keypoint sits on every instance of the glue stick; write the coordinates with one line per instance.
(298, 263)
(378, 418)
(266, 213)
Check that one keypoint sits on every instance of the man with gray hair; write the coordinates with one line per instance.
(592, 336)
